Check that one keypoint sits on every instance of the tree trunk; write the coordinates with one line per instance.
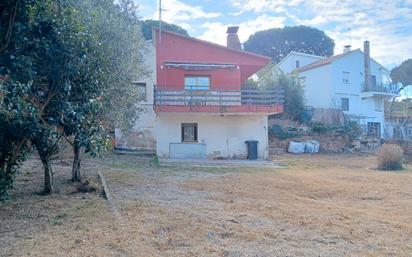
(48, 175)
(76, 174)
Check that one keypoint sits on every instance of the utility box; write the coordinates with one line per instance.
(252, 149)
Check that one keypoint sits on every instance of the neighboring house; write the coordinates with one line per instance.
(199, 109)
(398, 119)
(295, 60)
(352, 82)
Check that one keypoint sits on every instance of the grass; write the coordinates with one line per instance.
(126, 165)
(59, 219)
(295, 211)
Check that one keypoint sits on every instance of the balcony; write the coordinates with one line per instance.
(219, 101)
(380, 90)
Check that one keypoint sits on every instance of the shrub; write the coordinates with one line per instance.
(283, 133)
(390, 157)
(319, 127)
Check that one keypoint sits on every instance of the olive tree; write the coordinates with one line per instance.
(65, 71)
(104, 97)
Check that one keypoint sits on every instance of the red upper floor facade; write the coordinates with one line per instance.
(193, 75)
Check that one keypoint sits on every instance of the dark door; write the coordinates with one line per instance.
(374, 129)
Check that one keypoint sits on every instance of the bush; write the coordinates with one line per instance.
(318, 127)
(390, 157)
(283, 133)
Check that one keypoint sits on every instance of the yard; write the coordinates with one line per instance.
(308, 205)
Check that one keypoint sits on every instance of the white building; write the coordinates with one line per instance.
(352, 82)
(295, 60)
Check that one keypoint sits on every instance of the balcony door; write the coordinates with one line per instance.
(374, 129)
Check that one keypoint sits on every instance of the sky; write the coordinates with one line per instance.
(387, 24)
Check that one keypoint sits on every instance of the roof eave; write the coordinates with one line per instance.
(268, 59)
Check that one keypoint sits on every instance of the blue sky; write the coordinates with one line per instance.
(387, 24)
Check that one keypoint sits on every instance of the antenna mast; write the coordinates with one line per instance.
(160, 21)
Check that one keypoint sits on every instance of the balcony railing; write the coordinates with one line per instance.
(219, 100)
(377, 87)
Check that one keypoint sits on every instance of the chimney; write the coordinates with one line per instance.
(367, 63)
(347, 49)
(232, 38)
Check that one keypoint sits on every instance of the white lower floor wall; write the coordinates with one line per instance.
(366, 111)
(217, 136)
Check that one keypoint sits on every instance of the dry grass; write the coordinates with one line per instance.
(319, 205)
(390, 157)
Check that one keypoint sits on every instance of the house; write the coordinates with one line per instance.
(352, 82)
(198, 106)
(295, 60)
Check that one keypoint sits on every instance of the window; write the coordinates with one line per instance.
(141, 89)
(297, 63)
(197, 82)
(189, 132)
(344, 104)
(346, 77)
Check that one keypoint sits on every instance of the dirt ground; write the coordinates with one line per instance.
(312, 205)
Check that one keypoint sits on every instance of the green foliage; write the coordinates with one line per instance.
(147, 26)
(155, 161)
(319, 127)
(401, 76)
(283, 133)
(294, 93)
(279, 42)
(350, 128)
(66, 70)
(18, 122)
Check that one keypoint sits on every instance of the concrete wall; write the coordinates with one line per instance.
(288, 64)
(317, 85)
(224, 136)
(142, 135)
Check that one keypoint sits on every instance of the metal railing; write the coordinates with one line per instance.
(376, 87)
(217, 97)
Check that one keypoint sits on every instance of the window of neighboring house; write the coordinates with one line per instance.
(297, 63)
(378, 105)
(141, 89)
(197, 82)
(346, 77)
(189, 132)
(344, 104)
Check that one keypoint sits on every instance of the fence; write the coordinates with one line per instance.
(218, 97)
